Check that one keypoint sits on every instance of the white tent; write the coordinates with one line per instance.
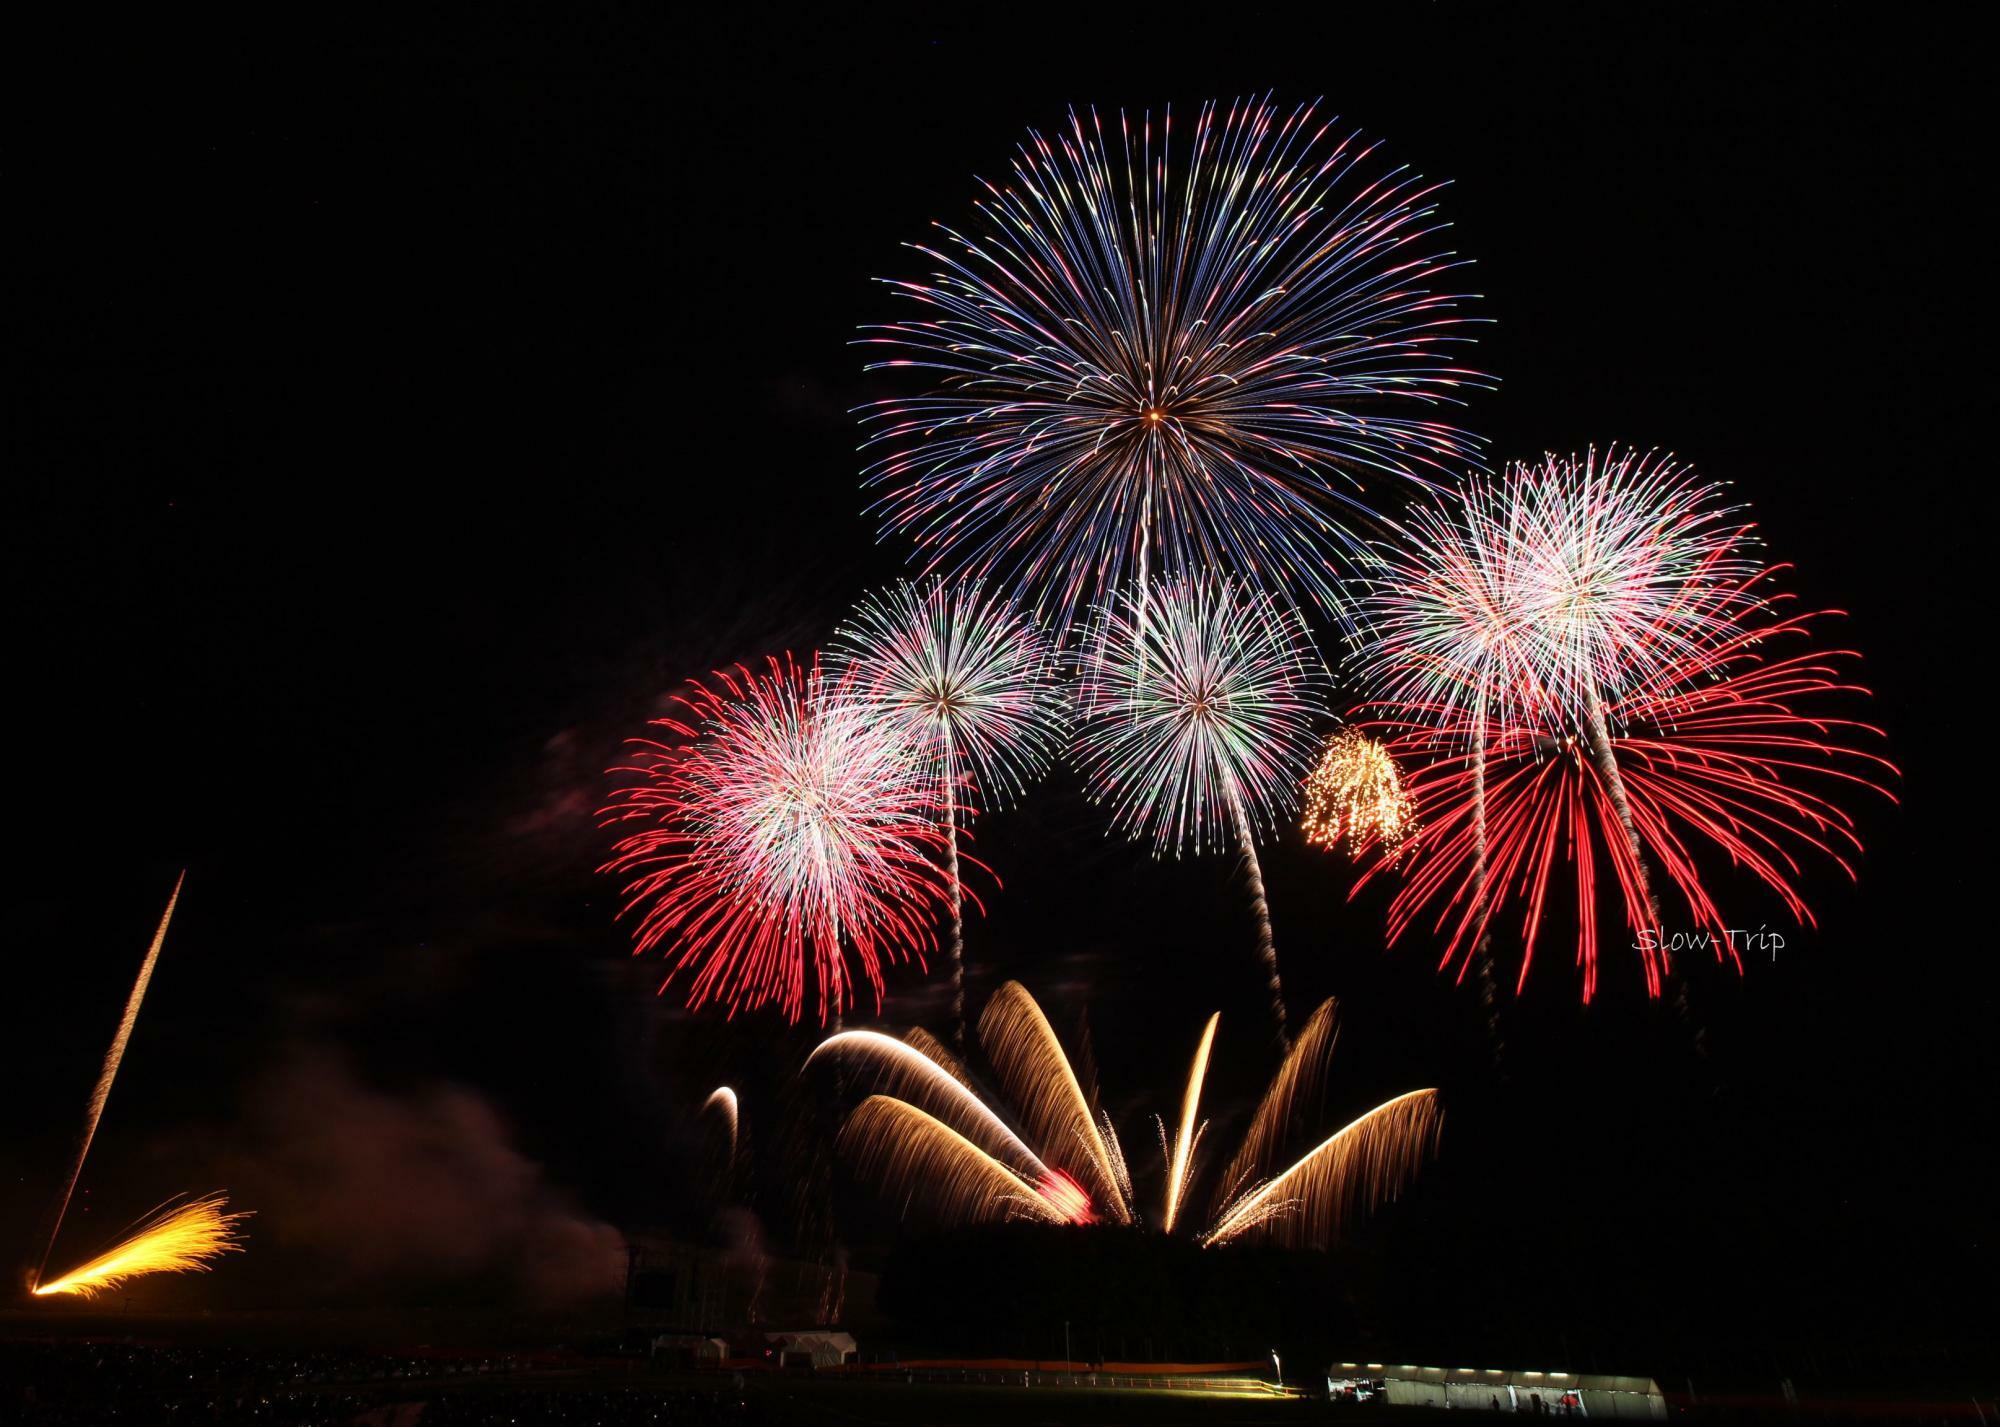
(817, 1347)
(1496, 1389)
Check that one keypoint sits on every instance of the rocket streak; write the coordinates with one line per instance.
(112, 1060)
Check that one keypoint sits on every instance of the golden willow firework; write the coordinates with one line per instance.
(176, 1238)
(1165, 348)
(1356, 795)
(928, 1140)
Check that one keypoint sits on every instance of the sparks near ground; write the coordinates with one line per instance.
(1163, 351)
(927, 1139)
(176, 1238)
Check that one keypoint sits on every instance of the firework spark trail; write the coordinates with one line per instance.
(955, 945)
(1180, 363)
(1442, 618)
(1180, 1162)
(1260, 912)
(774, 829)
(1367, 1162)
(1196, 723)
(101, 1092)
(965, 683)
(723, 1099)
(929, 1046)
(1482, 947)
(908, 1071)
(907, 1151)
(1599, 730)
(1040, 1081)
(1735, 754)
(173, 1239)
(1300, 1076)
(1619, 573)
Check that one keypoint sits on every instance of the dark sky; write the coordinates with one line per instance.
(401, 412)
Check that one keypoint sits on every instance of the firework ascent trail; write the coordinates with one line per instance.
(95, 1110)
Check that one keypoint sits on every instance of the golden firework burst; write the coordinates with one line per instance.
(1356, 793)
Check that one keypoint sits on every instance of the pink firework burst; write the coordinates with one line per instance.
(1736, 749)
(771, 828)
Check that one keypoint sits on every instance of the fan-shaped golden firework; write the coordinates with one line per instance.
(927, 1137)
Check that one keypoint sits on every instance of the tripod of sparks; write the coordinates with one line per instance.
(1154, 355)
(770, 829)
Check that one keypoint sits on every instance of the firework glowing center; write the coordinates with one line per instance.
(1066, 1199)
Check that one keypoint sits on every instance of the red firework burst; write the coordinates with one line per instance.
(770, 826)
(1731, 752)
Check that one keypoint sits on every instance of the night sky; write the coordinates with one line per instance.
(401, 414)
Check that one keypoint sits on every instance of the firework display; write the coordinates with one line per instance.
(176, 1238)
(1163, 350)
(956, 1156)
(1356, 795)
(1160, 434)
(771, 829)
(1197, 705)
(1156, 381)
(1741, 748)
(967, 684)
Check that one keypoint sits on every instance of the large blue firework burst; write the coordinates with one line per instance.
(1154, 356)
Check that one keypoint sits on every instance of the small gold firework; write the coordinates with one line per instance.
(1356, 793)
